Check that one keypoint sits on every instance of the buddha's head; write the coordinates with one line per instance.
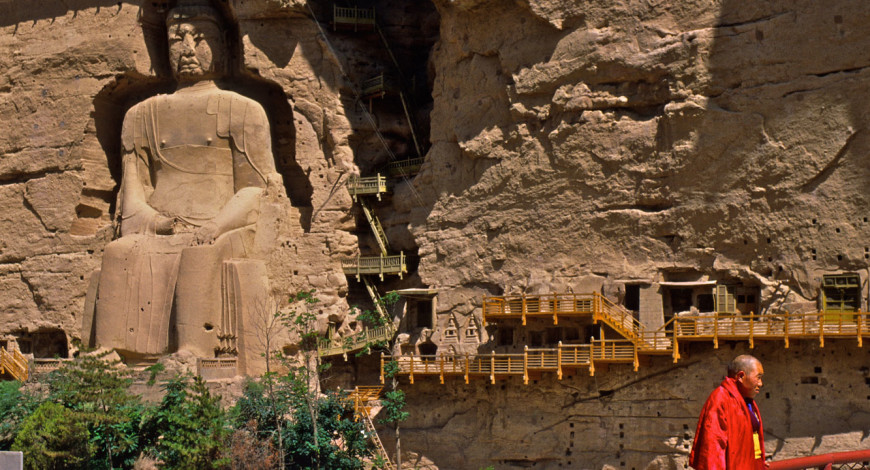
(197, 50)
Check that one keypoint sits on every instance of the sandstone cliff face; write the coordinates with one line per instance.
(570, 145)
(811, 403)
(632, 139)
(579, 145)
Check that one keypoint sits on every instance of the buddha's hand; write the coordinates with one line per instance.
(164, 225)
(206, 233)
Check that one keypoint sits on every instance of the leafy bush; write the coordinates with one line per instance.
(341, 442)
(15, 406)
(97, 390)
(188, 430)
(54, 437)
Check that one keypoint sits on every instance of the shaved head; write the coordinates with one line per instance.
(745, 363)
(747, 371)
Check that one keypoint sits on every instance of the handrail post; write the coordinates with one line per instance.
(559, 361)
(716, 330)
(785, 331)
(524, 309)
(492, 368)
(555, 309)
(466, 369)
(411, 375)
(860, 320)
(751, 339)
(526, 364)
(442, 368)
(594, 307)
(821, 329)
(636, 362)
(382, 368)
(355, 19)
(592, 357)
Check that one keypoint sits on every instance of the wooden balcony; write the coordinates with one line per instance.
(333, 347)
(380, 265)
(46, 365)
(405, 168)
(784, 327)
(594, 305)
(353, 18)
(368, 186)
(707, 327)
(531, 361)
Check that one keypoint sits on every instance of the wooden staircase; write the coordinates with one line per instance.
(376, 226)
(364, 399)
(14, 364)
(384, 333)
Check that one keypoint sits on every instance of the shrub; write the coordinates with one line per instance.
(188, 429)
(15, 406)
(54, 437)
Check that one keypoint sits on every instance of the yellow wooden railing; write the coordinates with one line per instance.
(353, 16)
(46, 365)
(374, 87)
(786, 326)
(367, 186)
(332, 347)
(709, 327)
(495, 365)
(597, 306)
(15, 364)
(377, 228)
(691, 328)
(405, 167)
(380, 265)
(364, 398)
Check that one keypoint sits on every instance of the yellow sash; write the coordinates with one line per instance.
(757, 444)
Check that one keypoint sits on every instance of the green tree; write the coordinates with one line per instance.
(302, 381)
(54, 437)
(321, 433)
(394, 406)
(188, 429)
(15, 407)
(394, 400)
(341, 442)
(96, 389)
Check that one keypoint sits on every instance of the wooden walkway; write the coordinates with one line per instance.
(333, 347)
(637, 342)
(367, 186)
(379, 265)
(558, 360)
(353, 18)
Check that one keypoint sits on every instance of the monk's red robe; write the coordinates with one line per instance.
(724, 438)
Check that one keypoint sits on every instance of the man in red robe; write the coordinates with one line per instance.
(730, 434)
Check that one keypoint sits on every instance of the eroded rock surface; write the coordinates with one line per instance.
(570, 146)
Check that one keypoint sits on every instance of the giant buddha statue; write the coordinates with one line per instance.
(196, 164)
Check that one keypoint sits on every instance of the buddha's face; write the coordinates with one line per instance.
(196, 50)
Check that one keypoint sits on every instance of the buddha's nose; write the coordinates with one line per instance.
(188, 43)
